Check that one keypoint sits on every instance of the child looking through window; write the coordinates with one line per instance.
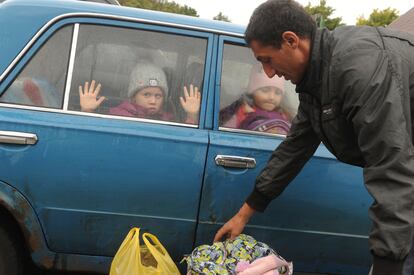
(147, 93)
(260, 107)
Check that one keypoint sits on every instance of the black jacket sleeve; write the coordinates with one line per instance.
(376, 100)
(285, 162)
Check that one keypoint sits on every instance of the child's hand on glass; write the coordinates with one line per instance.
(88, 97)
(191, 103)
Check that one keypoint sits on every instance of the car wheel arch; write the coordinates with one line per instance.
(19, 213)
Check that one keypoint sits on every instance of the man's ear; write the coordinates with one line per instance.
(291, 39)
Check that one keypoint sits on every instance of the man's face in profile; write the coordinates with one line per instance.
(290, 61)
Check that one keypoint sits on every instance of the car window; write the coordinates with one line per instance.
(141, 73)
(251, 101)
(41, 82)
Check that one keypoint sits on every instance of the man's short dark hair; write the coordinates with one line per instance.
(274, 17)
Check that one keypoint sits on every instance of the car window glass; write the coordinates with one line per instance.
(41, 83)
(141, 74)
(249, 100)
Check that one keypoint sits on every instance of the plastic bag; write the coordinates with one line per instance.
(149, 259)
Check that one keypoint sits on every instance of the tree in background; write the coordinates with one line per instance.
(379, 18)
(221, 17)
(323, 13)
(160, 5)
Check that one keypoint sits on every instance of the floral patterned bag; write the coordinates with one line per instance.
(223, 257)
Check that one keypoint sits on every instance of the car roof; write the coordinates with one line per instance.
(52, 8)
(112, 2)
(27, 17)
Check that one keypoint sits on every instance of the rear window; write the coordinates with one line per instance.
(140, 73)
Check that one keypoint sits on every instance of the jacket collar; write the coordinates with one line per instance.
(139, 111)
(312, 80)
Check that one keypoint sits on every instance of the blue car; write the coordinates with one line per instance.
(74, 178)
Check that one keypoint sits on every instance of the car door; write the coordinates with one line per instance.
(320, 222)
(91, 176)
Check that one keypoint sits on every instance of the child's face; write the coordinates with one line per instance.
(267, 98)
(150, 98)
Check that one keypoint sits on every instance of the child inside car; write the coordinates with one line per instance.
(260, 107)
(147, 93)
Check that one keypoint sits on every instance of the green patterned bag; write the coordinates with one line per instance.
(222, 257)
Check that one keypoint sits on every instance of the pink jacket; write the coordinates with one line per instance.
(129, 109)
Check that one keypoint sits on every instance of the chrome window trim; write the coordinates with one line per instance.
(243, 131)
(60, 111)
(104, 16)
(71, 65)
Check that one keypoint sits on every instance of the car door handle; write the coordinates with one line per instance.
(17, 138)
(235, 161)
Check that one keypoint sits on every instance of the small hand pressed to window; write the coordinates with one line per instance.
(88, 96)
(191, 104)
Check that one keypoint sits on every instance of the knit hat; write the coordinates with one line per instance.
(259, 79)
(147, 75)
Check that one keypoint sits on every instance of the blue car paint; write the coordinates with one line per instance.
(19, 207)
(210, 106)
(98, 199)
(313, 223)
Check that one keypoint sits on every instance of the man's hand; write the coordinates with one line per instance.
(235, 225)
(88, 97)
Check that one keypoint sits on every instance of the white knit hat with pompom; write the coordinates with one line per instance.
(147, 75)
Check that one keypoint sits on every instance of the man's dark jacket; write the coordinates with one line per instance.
(355, 98)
